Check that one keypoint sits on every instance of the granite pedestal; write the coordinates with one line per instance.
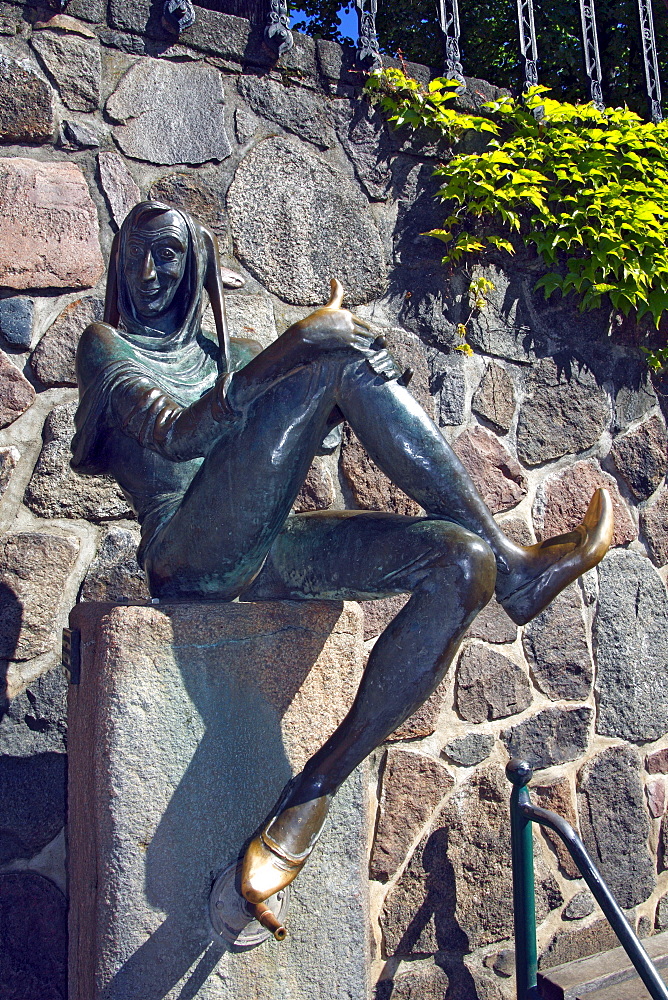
(187, 721)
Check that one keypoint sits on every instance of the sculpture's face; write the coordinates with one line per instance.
(155, 261)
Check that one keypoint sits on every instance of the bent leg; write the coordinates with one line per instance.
(235, 506)
(216, 542)
(237, 503)
(450, 574)
(410, 449)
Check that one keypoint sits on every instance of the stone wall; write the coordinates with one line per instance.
(302, 181)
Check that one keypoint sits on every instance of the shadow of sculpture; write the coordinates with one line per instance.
(228, 763)
(433, 928)
(11, 620)
(33, 946)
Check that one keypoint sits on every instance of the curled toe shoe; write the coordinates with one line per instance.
(585, 547)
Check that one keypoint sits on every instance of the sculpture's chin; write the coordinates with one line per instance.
(149, 309)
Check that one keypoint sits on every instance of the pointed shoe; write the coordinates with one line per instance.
(590, 539)
(275, 857)
(264, 873)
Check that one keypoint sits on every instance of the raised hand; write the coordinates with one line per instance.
(331, 328)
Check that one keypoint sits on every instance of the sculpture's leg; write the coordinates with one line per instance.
(238, 502)
(216, 542)
(410, 449)
(450, 573)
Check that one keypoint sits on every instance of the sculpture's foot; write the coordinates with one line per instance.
(276, 856)
(549, 566)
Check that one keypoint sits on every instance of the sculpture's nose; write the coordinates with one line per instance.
(148, 269)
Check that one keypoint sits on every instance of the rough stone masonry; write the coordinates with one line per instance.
(301, 179)
(194, 716)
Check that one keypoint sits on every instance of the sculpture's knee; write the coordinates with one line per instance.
(460, 562)
(477, 567)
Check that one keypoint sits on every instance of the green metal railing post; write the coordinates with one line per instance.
(523, 814)
(524, 901)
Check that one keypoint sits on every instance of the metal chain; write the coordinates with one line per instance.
(277, 33)
(368, 50)
(591, 53)
(448, 12)
(650, 60)
(528, 46)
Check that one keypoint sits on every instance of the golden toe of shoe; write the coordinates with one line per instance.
(265, 873)
(590, 541)
(599, 523)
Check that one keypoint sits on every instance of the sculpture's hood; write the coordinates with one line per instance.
(183, 357)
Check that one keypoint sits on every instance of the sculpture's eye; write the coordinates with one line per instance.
(135, 250)
(166, 254)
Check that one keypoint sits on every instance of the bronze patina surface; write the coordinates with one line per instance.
(212, 447)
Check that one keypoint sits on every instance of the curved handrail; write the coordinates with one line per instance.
(520, 773)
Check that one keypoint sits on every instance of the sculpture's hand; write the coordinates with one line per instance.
(331, 327)
(325, 331)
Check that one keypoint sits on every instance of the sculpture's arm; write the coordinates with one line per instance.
(157, 422)
(181, 433)
(326, 331)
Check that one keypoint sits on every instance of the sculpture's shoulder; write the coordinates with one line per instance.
(100, 345)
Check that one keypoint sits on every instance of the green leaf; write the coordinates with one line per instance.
(440, 234)
(549, 282)
(501, 243)
(585, 187)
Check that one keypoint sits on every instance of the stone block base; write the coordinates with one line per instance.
(187, 722)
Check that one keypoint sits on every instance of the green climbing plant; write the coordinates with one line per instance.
(479, 289)
(587, 188)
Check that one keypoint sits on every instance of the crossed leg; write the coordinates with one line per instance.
(216, 542)
(448, 571)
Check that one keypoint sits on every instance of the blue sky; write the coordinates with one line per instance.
(348, 22)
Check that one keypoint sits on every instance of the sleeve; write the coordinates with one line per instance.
(158, 422)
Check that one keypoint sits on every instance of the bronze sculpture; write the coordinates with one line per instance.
(213, 458)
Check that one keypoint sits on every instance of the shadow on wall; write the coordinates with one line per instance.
(33, 945)
(518, 323)
(33, 950)
(252, 10)
(438, 908)
(235, 767)
(156, 39)
(33, 763)
(660, 382)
